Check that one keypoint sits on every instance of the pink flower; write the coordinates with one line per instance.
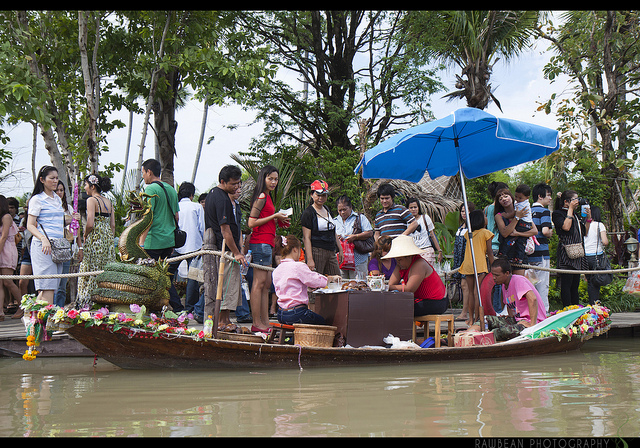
(134, 307)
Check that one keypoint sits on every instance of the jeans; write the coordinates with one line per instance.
(243, 312)
(193, 286)
(61, 294)
(174, 299)
(299, 315)
(261, 254)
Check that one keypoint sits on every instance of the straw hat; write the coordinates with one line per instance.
(403, 246)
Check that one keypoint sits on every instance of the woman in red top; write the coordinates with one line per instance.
(262, 219)
(414, 274)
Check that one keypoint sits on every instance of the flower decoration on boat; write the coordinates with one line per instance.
(45, 318)
(594, 322)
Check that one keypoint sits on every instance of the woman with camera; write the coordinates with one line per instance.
(571, 255)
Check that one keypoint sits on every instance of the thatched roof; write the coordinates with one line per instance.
(437, 197)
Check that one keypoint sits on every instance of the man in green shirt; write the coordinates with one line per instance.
(158, 240)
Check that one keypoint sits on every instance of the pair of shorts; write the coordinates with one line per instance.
(231, 287)
(261, 254)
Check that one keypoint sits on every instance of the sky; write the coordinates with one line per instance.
(519, 85)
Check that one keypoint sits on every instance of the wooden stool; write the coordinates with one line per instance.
(279, 332)
(438, 319)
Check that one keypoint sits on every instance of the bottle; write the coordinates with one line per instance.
(208, 327)
(245, 267)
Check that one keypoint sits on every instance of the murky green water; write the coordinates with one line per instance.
(591, 393)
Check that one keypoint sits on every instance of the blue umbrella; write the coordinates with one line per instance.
(469, 141)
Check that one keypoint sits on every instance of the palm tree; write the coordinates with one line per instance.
(474, 41)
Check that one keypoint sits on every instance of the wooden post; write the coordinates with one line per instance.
(216, 314)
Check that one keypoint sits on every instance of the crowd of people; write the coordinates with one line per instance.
(400, 244)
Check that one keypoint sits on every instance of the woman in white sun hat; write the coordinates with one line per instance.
(414, 274)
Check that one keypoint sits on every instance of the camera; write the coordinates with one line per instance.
(584, 205)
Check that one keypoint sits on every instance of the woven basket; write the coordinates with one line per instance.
(314, 335)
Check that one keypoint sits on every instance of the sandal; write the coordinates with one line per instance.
(18, 314)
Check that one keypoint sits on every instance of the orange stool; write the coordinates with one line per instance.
(279, 332)
(437, 319)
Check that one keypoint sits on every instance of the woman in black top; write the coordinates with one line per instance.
(570, 231)
(321, 241)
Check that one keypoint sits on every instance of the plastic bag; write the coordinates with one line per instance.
(348, 262)
(632, 286)
(396, 343)
(195, 270)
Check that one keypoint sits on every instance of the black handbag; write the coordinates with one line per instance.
(179, 235)
(602, 264)
(362, 246)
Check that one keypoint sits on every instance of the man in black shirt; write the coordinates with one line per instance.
(219, 216)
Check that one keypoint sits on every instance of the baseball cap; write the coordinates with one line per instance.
(320, 187)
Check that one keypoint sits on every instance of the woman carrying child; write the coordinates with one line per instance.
(291, 279)
(513, 231)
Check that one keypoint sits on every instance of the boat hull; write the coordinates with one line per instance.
(143, 350)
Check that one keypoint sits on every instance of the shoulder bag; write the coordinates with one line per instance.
(602, 264)
(60, 248)
(575, 250)
(362, 246)
(179, 235)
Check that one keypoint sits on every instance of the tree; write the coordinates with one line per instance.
(41, 56)
(599, 51)
(175, 53)
(473, 41)
(337, 68)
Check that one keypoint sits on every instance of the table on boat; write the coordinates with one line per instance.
(366, 317)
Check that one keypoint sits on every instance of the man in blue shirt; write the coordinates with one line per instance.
(542, 195)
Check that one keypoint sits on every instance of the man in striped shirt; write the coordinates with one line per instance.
(393, 219)
(542, 195)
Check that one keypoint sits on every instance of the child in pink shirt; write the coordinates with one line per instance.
(290, 280)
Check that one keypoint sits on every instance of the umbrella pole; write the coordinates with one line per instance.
(470, 233)
(216, 314)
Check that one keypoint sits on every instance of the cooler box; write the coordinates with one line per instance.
(472, 338)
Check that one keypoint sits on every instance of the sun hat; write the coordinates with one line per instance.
(403, 246)
(320, 187)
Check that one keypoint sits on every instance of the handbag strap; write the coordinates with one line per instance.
(166, 195)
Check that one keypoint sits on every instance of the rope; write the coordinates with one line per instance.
(169, 260)
(268, 268)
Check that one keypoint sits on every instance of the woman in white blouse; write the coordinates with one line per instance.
(594, 242)
(45, 211)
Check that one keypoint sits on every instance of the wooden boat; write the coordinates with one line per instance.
(144, 350)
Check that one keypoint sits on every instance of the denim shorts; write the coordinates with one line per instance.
(261, 254)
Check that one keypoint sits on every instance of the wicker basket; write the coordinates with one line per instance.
(314, 335)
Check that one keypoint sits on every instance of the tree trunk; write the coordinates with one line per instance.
(91, 86)
(166, 124)
(152, 93)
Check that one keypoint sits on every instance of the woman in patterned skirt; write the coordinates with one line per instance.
(98, 248)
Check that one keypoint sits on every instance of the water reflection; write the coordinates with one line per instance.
(591, 393)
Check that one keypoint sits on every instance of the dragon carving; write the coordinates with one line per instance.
(136, 278)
